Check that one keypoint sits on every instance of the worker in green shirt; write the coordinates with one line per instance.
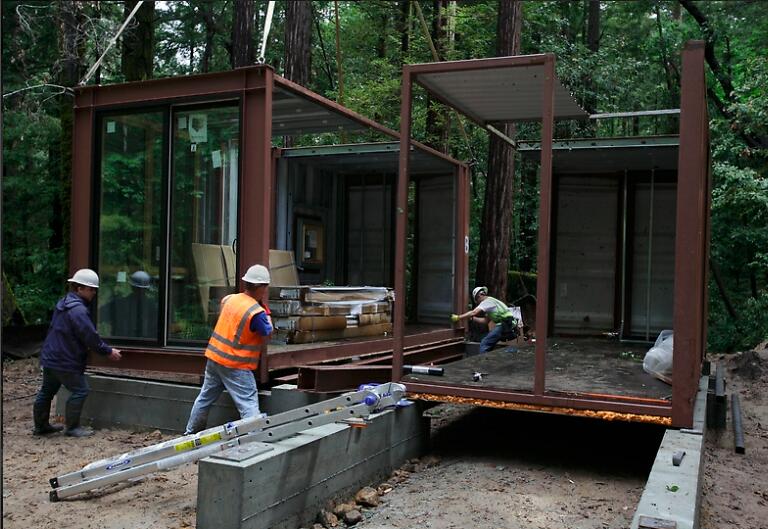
(502, 324)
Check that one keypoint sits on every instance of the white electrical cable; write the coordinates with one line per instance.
(267, 27)
(111, 43)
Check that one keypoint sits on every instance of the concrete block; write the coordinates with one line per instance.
(286, 487)
(153, 405)
(673, 492)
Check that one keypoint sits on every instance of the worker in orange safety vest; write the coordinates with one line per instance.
(234, 348)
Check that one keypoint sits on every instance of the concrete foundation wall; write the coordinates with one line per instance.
(673, 492)
(287, 486)
(116, 402)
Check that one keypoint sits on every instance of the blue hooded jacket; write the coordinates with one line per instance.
(70, 337)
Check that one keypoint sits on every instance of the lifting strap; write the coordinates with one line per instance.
(267, 27)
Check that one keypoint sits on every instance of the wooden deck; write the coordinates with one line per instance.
(574, 366)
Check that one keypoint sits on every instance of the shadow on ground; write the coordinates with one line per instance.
(551, 441)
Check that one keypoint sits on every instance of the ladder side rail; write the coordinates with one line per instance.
(195, 441)
(275, 434)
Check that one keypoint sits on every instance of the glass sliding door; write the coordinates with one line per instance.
(130, 225)
(203, 217)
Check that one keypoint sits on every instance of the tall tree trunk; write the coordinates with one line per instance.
(405, 26)
(138, 42)
(206, 13)
(70, 69)
(242, 33)
(298, 41)
(593, 45)
(437, 131)
(496, 224)
(298, 46)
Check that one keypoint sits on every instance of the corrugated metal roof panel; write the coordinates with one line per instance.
(511, 93)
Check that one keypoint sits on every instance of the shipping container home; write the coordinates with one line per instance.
(178, 188)
(623, 231)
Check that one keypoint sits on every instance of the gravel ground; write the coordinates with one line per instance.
(487, 469)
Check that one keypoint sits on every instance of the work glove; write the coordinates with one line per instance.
(454, 318)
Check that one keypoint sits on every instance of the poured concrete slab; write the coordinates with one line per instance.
(287, 486)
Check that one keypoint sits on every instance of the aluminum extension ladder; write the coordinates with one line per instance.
(174, 452)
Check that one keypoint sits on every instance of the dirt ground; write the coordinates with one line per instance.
(487, 469)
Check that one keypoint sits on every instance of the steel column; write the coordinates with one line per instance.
(256, 179)
(690, 239)
(401, 225)
(545, 229)
(82, 182)
(461, 261)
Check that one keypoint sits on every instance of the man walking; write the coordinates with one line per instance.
(234, 348)
(64, 355)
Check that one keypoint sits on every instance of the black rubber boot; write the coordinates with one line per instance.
(41, 415)
(72, 420)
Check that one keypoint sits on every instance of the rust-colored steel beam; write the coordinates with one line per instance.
(461, 248)
(476, 64)
(82, 169)
(305, 93)
(557, 410)
(689, 310)
(340, 378)
(401, 225)
(226, 84)
(421, 355)
(323, 352)
(545, 227)
(189, 362)
(661, 409)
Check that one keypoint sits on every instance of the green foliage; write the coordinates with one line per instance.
(636, 67)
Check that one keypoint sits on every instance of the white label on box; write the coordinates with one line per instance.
(110, 127)
(121, 277)
(216, 159)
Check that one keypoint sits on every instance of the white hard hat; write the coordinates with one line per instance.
(85, 277)
(140, 279)
(479, 290)
(257, 274)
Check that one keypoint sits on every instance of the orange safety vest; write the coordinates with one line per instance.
(232, 343)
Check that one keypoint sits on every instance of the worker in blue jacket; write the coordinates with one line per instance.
(64, 354)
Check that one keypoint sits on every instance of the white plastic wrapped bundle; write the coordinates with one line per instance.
(658, 359)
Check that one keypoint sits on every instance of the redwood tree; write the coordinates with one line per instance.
(495, 228)
(138, 42)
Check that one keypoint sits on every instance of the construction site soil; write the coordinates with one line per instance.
(487, 469)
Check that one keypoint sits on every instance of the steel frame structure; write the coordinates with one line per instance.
(253, 87)
(691, 245)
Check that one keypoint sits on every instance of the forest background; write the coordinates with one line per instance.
(613, 55)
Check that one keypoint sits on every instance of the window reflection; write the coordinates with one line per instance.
(203, 217)
(130, 222)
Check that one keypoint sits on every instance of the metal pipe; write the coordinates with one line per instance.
(500, 134)
(738, 429)
(623, 292)
(635, 114)
(650, 261)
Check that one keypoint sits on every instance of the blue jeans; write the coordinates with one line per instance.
(504, 330)
(241, 385)
(53, 379)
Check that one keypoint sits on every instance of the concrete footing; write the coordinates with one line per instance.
(117, 402)
(285, 484)
(671, 498)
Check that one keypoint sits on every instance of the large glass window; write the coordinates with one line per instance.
(203, 229)
(130, 224)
